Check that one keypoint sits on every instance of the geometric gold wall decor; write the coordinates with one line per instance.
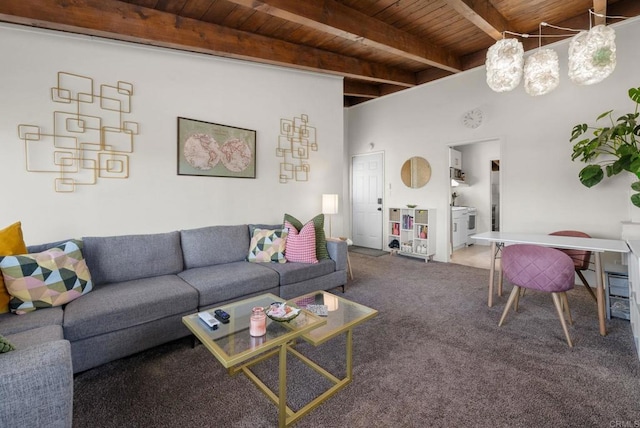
(90, 139)
(295, 142)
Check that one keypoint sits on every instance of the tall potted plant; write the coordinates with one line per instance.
(610, 149)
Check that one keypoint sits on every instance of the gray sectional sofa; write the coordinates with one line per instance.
(142, 287)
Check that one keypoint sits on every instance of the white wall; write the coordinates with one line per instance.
(540, 187)
(167, 84)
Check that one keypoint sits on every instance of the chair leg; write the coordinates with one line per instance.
(500, 281)
(512, 298)
(520, 294)
(586, 285)
(556, 302)
(565, 305)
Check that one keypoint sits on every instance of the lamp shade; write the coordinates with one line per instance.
(504, 65)
(541, 72)
(592, 55)
(329, 204)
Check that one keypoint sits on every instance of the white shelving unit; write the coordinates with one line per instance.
(415, 231)
(634, 295)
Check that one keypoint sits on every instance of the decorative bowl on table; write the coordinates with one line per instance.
(282, 311)
(411, 205)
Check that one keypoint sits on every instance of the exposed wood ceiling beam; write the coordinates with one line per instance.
(600, 8)
(483, 15)
(334, 18)
(123, 21)
(361, 89)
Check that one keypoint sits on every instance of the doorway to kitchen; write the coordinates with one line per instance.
(474, 189)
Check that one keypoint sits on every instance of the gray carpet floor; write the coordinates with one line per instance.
(434, 357)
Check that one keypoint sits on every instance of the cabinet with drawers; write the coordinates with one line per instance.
(617, 295)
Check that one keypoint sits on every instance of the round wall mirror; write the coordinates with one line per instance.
(415, 172)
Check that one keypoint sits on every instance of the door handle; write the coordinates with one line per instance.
(379, 209)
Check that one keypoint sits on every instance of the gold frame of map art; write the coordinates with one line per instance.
(214, 150)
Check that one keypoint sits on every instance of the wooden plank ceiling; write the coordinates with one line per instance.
(379, 47)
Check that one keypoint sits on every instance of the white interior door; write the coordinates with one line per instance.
(367, 178)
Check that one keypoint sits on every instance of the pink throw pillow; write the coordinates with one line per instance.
(301, 245)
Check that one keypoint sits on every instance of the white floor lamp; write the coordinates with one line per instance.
(329, 207)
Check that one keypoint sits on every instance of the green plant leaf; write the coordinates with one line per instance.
(634, 94)
(618, 143)
(591, 175)
(578, 130)
(606, 113)
(634, 167)
(620, 165)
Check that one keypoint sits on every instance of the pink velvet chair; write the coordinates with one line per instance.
(581, 258)
(539, 268)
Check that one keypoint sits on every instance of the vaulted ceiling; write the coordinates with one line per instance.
(379, 47)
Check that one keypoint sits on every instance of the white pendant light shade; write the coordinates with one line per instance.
(504, 65)
(592, 55)
(541, 72)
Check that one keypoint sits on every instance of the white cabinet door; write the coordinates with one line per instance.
(459, 229)
(455, 159)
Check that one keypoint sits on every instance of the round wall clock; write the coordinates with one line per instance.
(472, 118)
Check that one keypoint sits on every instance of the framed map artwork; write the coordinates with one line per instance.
(215, 150)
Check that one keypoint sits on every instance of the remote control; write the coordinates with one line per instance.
(222, 316)
(209, 320)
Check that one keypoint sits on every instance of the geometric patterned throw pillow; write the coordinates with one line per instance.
(301, 246)
(50, 278)
(321, 240)
(267, 246)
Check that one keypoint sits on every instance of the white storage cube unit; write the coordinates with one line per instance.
(411, 232)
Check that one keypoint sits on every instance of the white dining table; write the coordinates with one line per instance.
(596, 245)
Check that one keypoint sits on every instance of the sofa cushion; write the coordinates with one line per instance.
(268, 246)
(12, 323)
(36, 336)
(11, 243)
(321, 240)
(38, 248)
(230, 280)
(214, 245)
(301, 246)
(129, 257)
(121, 305)
(50, 278)
(290, 273)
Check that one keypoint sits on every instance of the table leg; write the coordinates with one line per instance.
(349, 354)
(492, 272)
(600, 298)
(282, 388)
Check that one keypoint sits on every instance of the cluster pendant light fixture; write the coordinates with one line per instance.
(592, 57)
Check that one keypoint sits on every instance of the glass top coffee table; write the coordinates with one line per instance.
(237, 351)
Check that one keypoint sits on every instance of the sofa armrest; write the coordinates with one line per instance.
(37, 386)
(338, 252)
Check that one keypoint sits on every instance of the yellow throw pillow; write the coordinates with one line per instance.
(11, 243)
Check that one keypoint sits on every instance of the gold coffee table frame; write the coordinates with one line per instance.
(238, 352)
